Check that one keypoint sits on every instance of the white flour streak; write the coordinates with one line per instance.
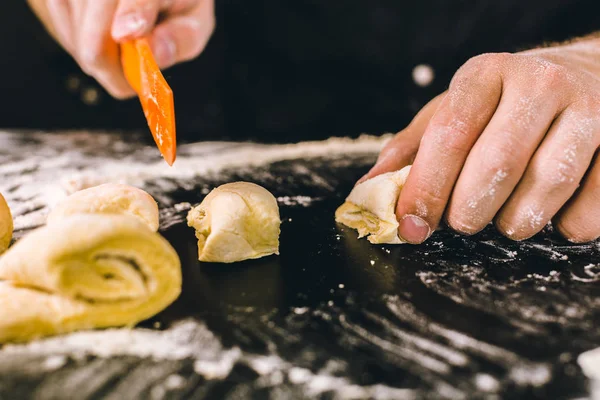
(220, 367)
(487, 383)
(177, 343)
(590, 363)
(51, 172)
(429, 363)
(536, 375)
(555, 255)
(191, 340)
(304, 201)
(54, 362)
(174, 381)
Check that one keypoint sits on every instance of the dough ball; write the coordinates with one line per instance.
(6, 225)
(370, 208)
(110, 198)
(235, 222)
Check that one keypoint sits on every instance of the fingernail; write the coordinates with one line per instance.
(164, 51)
(413, 229)
(128, 25)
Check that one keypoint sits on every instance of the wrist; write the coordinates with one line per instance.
(583, 54)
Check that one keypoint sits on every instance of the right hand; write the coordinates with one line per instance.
(90, 31)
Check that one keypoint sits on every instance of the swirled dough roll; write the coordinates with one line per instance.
(109, 198)
(6, 225)
(370, 208)
(85, 271)
(236, 221)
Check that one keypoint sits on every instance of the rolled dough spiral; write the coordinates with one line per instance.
(110, 198)
(85, 271)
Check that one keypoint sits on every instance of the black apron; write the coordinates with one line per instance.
(288, 70)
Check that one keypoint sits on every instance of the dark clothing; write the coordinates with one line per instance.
(288, 70)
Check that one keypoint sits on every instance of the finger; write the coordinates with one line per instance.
(62, 27)
(183, 37)
(553, 175)
(499, 157)
(579, 220)
(97, 53)
(462, 115)
(401, 149)
(134, 18)
(172, 7)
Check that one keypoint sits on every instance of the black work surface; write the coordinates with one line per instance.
(456, 317)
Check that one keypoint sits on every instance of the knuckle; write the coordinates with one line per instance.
(554, 175)
(484, 63)
(453, 137)
(590, 105)
(90, 60)
(553, 76)
(430, 197)
(119, 94)
(502, 159)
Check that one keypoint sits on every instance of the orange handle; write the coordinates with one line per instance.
(154, 92)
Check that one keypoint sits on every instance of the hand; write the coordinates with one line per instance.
(91, 29)
(512, 140)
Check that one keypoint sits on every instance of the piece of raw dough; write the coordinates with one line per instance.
(370, 207)
(85, 271)
(6, 225)
(109, 198)
(236, 221)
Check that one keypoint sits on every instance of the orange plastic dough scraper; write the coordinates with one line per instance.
(155, 94)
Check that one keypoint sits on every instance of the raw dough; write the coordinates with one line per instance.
(6, 225)
(370, 207)
(85, 271)
(236, 221)
(110, 198)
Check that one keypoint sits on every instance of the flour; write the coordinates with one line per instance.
(303, 201)
(50, 173)
(178, 343)
(554, 255)
(55, 362)
(590, 364)
(190, 339)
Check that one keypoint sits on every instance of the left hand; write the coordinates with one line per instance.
(512, 140)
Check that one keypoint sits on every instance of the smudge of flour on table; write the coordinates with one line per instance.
(462, 348)
(189, 340)
(169, 216)
(590, 364)
(303, 201)
(50, 173)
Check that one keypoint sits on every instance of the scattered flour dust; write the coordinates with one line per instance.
(303, 201)
(190, 339)
(52, 169)
(590, 364)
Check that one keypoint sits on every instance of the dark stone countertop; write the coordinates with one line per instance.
(332, 316)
